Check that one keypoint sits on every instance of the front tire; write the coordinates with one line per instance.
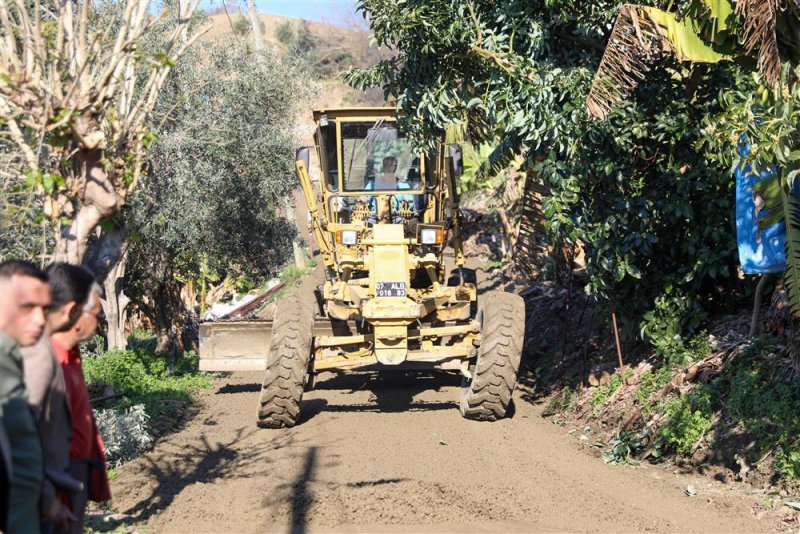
(487, 395)
(287, 365)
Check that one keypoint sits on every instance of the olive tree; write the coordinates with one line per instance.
(217, 178)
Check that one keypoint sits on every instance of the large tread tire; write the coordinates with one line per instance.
(487, 395)
(287, 365)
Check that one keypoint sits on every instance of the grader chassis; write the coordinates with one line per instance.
(382, 217)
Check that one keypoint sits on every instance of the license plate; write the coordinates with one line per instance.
(390, 289)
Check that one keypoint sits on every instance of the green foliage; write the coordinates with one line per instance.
(650, 383)
(770, 120)
(603, 393)
(284, 32)
(24, 229)
(242, 26)
(638, 191)
(676, 353)
(689, 418)
(152, 394)
(791, 214)
(625, 445)
(755, 394)
(220, 167)
(760, 396)
(125, 434)
(564, 402)
(144, 379)
(325, 54)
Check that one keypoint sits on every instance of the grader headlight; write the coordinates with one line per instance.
(346, 237)
(431, 236)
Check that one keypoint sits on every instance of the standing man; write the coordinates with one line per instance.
(70, 287)
(87, 456)
(24, 300)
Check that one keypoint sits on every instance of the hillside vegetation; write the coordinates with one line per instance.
(325, 49)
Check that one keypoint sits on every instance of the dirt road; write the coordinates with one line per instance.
(392, 454)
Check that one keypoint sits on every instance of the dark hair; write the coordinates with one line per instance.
(69, 283)
(21, 268)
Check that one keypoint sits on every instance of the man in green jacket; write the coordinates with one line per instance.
(24, 301)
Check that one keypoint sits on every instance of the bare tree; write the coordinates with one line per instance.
(76, 91)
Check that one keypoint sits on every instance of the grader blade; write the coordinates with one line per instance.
(241, 345)
(234, 345)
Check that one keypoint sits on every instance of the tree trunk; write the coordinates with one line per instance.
(256, 24)
(115, 305)
(299, 257)
(168, 316)
(98, 202)
(107, 257)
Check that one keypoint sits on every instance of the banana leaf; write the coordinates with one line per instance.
(684, 36)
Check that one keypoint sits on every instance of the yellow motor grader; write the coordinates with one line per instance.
(385, 220)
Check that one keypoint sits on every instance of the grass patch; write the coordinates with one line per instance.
(153, 396)
(143, 378)
(689, 419)
(562, 403)
(289, 276)
(650, 383)
(603, 393)
(754, 393)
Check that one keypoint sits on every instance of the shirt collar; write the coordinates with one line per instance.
(66, 355)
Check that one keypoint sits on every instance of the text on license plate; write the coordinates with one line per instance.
(390, 289)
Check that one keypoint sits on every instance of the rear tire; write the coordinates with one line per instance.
(287, 365)
(487, 395)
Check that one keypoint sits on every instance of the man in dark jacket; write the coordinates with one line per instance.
(71, 286)
(24, 300)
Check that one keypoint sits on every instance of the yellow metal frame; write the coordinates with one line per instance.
(386, 254)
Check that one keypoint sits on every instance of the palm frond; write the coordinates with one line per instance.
(631, 50)
(760, 34)
(640, 35)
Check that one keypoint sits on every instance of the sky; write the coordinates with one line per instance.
(340, 12)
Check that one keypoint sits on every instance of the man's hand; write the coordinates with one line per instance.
(64, 517)
(60, 514)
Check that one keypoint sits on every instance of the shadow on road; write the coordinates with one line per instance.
(228, 389)
(301, 496)
(389, 392)
(176, 467)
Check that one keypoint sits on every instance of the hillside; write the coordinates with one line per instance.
(328, 49)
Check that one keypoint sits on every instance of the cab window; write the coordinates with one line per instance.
(376, 157)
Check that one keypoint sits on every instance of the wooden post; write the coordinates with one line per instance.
(619, 347)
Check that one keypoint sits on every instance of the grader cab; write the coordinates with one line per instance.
(385, 219)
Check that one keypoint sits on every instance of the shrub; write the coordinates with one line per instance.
(143, 378)
(689, 418)
(125, 433)
(284, 32)
(242, 26)
(762, 398)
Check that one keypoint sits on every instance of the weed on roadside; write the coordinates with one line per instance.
(603, 393)
(564, 402)
(689, 418)
(152, 398)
